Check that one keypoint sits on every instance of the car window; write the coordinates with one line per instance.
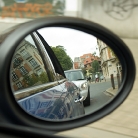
(74, 75)
(56, 75)
(46, 60)
(27, 67)
(29, 71)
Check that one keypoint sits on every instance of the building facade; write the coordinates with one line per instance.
(26, 66)
(78, 64)
(109, 62)
(85, 61)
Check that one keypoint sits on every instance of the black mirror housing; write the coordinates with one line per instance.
(12, 113)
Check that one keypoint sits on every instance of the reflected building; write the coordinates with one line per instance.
(88, 60)
(109, 62)
(26, 62)
(78, 64)
(85, 61)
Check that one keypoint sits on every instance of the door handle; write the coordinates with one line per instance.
(79, 100)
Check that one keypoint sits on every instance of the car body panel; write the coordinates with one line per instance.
(79, 81)
(84, 92)
(53, 98)
(55, 103)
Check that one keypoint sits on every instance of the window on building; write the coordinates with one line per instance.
(14, 76)
(33, 63)
(23, 70)
(87, 56)
(16, 61)
(23, 52)
(19, 85)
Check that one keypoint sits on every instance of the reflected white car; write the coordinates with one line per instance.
(77, 77)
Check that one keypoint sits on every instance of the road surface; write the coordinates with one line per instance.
(98, 95)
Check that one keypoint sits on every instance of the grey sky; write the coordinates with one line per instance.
(75, 42)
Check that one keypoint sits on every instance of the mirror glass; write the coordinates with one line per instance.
(85, 75)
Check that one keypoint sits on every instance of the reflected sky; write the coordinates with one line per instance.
(75, 42)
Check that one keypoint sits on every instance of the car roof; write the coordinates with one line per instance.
(73, 70)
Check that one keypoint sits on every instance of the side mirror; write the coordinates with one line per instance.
(33, 59)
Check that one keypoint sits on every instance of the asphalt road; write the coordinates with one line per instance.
(98, 95)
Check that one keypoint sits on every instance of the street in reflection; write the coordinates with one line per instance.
(85, 76)
(89, 55)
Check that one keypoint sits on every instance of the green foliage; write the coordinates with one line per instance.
(95, 66)
(43, 78)
(55, 9)
(30, 80)
(90, 70)
(33, 79)
(59, 5)
(63, 58)
(84, 71)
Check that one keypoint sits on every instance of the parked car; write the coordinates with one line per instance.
(78, 78)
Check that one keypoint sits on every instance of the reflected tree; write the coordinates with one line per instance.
(63, 58)
(84, 71)
(90, 70)
(95, 66)
(43, 78)
(31, 80)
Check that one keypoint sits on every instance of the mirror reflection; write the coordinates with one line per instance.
(85, 75)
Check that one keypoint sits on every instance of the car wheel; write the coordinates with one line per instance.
(87, 100)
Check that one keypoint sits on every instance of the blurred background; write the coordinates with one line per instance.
(120, 16)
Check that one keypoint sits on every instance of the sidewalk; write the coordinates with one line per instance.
(112, 91)
(108, 79)
(89, 132)
(122, 123)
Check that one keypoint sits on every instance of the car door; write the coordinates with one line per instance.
(39, 90)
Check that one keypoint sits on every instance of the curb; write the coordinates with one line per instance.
(112, 91)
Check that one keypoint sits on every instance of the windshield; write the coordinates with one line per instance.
(74, 75)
